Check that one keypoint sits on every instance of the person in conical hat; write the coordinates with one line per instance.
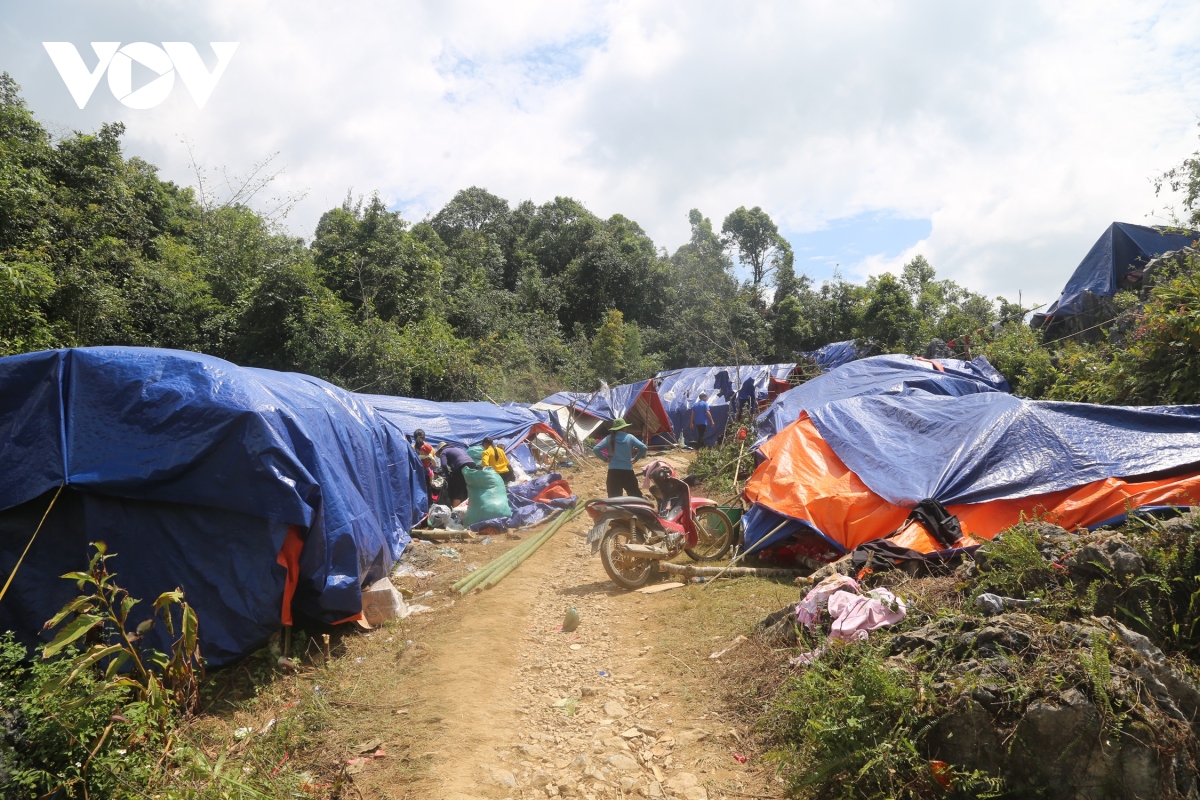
(620, 449)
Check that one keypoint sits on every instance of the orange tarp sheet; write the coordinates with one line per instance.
(804, 479)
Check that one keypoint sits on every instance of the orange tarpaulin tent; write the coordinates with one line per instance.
(801, 478)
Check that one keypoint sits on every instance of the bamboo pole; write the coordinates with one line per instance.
(691, 571)
(757, 545)
(466, 583)
(502, 572)
(469, 582)
(478, 576)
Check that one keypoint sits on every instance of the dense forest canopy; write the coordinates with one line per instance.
(485, 298)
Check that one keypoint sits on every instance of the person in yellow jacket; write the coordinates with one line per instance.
(494, 457)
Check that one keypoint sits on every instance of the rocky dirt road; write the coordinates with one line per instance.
(520, 709)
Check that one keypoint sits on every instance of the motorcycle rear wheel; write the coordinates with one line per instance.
(625, 569)
(715, 532)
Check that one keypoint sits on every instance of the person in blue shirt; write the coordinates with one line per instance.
(701, 419)
(620, 450)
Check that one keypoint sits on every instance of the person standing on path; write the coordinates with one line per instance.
(620, 450)
(701, 419)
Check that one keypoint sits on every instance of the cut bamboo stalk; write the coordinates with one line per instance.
(729, 572)
(503, 572)
(468, 582)
(476, 577)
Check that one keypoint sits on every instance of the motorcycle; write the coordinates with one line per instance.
(632, 533)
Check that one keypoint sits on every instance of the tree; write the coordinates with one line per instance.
(472, 209)
(366, 255)
(1184, 178)
(608, 347)
(786, 282)
(755, 238)
(889, 317)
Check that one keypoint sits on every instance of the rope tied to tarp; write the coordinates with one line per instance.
(24, 553)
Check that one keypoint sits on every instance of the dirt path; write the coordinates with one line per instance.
(522, 710)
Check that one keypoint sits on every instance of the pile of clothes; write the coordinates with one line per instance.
(854, 613)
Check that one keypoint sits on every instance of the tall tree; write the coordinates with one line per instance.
(889, 317)
(608, 347)
(368, 256)
(755, 238)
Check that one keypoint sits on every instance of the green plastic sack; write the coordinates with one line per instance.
(475, 451)
(486, 496)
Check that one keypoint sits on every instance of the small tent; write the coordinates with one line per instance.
(1114, 263)
(888, 374)
(833, 355)
(851, 470)
(728, 388)
(466, 424)
(258, 493)
(583, 414)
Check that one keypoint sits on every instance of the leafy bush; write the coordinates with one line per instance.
(848, 724)
(98, 715)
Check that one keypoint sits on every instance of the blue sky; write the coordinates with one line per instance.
(998, 139)
(851, 240)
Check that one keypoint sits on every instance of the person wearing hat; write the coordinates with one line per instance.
(454, 460)
(620, 449)
(701, 419)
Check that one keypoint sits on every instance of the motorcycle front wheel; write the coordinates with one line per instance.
(625, 569)
(715, 534)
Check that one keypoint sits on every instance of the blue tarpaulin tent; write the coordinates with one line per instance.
(680, 389)
(889, 374)
(465, 424)
(196, 472)
(1114, 263)
(586, 413)
(832, 355)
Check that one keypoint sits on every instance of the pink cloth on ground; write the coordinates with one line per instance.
(855, 614)
(809, 609)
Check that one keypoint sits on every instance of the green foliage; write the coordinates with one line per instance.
(1160, 364)
(1185, 179)
(1017, 353)
(100, 617)
(723, 468)
(850, 723)
(100, 715)
(1013, 566)
(889, 318)
(756, 238)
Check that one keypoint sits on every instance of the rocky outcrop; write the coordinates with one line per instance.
(1132, 738)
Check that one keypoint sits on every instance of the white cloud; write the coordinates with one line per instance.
(1020, 129)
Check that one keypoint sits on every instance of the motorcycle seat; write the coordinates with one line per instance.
(626, 501)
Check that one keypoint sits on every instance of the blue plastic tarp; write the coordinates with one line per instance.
(994, 446)
(613, 402)
(832, 355)
(463, 424)
(680, 389)
(888, 374)
(194, 469)
(1122, 249)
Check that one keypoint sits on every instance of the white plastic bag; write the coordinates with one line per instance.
(439, 516)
